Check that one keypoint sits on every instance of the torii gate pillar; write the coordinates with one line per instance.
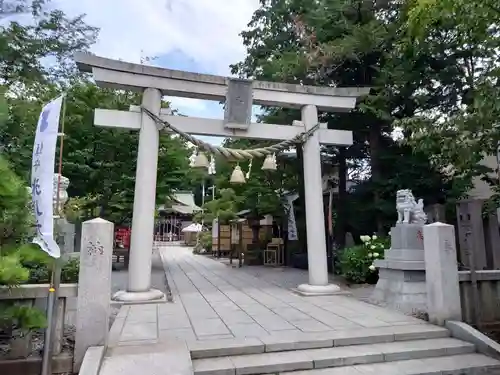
(141, 244)
(315, 226)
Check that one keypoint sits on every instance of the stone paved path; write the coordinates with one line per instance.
(215, 301)
(289, 278)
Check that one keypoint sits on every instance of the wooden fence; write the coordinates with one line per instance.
(480, 297)
(478, 244)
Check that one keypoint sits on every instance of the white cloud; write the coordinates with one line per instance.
(205, 30)
(187, 108)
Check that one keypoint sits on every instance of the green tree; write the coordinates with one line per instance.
(262, 192)
(35, 65)
(400, 165)
(16, 219)
(464, 129)
(224, 208)
(15, 229)
(99, 162)
(345, 43)
(39, 51)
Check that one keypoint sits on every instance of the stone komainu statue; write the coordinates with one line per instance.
(409, 211)
(63, 194)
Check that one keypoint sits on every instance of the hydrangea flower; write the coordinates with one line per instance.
(365, 238)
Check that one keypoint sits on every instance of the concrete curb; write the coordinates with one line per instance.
(483, 343)
(117, 327)
(172, 358)
(168, 279)
(92, 361)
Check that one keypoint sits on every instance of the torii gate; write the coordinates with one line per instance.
(241, 94)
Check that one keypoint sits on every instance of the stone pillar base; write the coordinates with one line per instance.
(402, 290)
(401, 283)
(317, 290)
(151, 296)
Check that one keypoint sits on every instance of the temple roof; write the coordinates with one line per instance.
(182, 202)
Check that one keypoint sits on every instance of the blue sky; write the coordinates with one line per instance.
(200, 36)
(177, 59)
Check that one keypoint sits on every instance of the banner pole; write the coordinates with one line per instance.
(55, 276)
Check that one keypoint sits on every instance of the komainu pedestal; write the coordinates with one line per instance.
(401, 283)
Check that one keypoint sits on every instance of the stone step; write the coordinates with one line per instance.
(266, 363)
(284, 342)
(465, 364)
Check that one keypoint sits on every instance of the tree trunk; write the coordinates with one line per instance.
(255, 233)
(340, 206)
(302, 229)
(376, 176)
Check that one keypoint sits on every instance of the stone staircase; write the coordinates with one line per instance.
(396, 350)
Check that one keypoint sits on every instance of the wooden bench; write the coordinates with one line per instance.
(273, 254)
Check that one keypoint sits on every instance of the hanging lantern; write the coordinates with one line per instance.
(249, 170)
(269, 163)
(237, 176)
(200, 161)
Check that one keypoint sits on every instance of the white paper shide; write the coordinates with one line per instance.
(42, 172)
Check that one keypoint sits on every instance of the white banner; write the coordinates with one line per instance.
(292, 225)
(42, 174)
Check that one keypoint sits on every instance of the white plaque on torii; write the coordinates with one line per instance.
(154, 83)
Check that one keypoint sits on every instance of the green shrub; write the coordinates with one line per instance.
(20, 261)
(12, 273)
(39, 273)
(204, 244)
(39, 265)
(16, 230)
(22, 318)
(206, 240)
(70, 271)
(356, 263)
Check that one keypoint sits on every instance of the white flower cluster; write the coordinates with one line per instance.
(366, 239)
(373, 254)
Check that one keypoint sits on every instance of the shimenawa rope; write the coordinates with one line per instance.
(232, 153)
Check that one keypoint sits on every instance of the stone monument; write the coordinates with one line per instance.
(401, 283)
(63, 194)
(65, 230)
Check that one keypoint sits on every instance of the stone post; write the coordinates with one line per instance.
(441, 272)
(94, 287)
(316, 236)
(141, 245)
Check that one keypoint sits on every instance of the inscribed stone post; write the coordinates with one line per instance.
(443, 293)
(94, 287)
